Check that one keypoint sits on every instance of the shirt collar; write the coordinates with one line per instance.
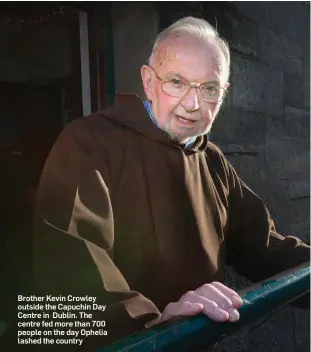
(147, 106)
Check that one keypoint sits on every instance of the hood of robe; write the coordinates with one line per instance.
(129, 111)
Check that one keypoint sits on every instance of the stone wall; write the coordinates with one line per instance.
(264, 129)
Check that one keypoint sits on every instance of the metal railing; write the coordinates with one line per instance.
(195, 333)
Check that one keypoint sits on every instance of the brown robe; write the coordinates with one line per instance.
(127, 215)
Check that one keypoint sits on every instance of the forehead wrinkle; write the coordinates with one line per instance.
(168, 48)
(172, 52)
(164, 53)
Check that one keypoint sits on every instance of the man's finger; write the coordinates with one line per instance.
(231, 294)
(175, 309)
(212, 293)
(211, 308)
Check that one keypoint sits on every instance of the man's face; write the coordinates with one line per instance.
(191, 60)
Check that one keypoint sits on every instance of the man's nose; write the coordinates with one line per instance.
(191, 100)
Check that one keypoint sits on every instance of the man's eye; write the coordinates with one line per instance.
(211, 89)
(177, 81)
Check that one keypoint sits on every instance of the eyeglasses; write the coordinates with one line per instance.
(179, 88)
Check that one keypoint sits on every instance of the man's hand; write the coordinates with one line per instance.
(215, 300)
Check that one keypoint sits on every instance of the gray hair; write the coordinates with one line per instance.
(196, 27)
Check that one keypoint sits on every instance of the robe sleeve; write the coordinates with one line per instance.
(73, 240)
(254, 248)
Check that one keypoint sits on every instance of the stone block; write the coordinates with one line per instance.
(289, 216)
(242, 48)
(275, 335)
(253, 10)
(306, 93)
(300, 210)
(294, 89)
(302, 330)
(299, 189)
(306, 57)
(227, 103)
(241, 149)
(306, 75)
(279, 52)
(275, 127)
(290, 18)
(244, 36)
(240, 127)
(257, 173)
(256, 87)
(289, 158)
(297, 122)
(251, 169)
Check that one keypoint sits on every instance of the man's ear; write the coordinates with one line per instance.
(146, 76)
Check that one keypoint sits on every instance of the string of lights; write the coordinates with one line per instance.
(37, 20)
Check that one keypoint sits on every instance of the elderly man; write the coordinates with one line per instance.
(139, 209)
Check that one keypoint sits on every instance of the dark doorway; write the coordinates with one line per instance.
(40, 90)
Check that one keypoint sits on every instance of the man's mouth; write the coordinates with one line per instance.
(184, 119)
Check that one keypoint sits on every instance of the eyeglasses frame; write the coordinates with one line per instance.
(163, 80)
